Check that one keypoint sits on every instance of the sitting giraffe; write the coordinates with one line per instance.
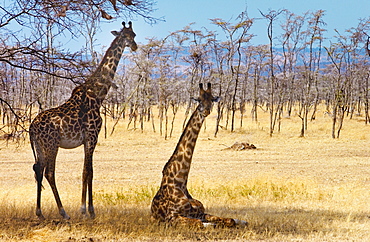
(76, 122)
(173, 203)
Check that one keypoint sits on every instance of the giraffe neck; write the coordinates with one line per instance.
(101, 79)
(177, 168)
(108, 65)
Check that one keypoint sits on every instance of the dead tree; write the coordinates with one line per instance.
(275, 98)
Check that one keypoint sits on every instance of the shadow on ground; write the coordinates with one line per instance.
(135, 224)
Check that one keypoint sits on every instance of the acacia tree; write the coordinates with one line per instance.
(237, 35)
(259, 55)
(164, 72)
(366, 96)
(218, 74)
(344, 55)
(27, 22)
(291, 46)
(358, 67)
(309, 93)
(45, 62)
(196, 60)
(339, 85)
(276, 91)
(175, 46)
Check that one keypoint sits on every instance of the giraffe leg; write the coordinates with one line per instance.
(197, 206)
(84, 190)
(198, 211)
(87, 178)
(50, 177)
(207, 219)
(227, 222)
(185, 221)
(186, 212)
(90, 190)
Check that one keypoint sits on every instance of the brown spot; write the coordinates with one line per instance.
(180, 157)
(189, 146)
(195, 130)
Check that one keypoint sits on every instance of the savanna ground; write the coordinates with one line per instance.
(288, 189)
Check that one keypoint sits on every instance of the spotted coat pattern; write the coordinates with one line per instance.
(76, 122)
(173, 203)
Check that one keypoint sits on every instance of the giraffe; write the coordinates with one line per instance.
(172, 202)
(76, 122)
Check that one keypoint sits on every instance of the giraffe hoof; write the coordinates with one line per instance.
(39, 215)
(92, 212)
(92, 215)
(86, 215)
(64, 214)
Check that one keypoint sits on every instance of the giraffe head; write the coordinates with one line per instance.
(127, 35)
(205, 100)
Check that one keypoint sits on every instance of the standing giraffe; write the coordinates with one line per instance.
(173, 203)
(76, 122)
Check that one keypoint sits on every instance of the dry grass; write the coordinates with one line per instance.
(288, 189)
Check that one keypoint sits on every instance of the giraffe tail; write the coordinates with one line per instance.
(37, 166)
(38, 173)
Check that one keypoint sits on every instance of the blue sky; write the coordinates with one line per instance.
(340, 15)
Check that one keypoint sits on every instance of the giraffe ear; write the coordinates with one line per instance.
(115, 33)
(195, 99)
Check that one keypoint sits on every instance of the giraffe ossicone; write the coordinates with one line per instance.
(76, 122)
(173, 203)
